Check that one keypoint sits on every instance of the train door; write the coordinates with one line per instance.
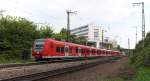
(90, 53)
(66, 50)
(79, 51)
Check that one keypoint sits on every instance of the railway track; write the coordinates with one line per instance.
(37, 63)
(42, 75)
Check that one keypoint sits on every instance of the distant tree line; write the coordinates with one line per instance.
(18, 34)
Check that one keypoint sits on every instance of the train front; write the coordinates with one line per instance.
(37, 49)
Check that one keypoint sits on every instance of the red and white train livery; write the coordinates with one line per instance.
(53, 49)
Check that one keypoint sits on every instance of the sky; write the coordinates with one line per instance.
(118, 17)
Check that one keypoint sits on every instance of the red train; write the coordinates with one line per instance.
(44, 49)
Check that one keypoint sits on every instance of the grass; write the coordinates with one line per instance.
(143, 74)
(15, 61)
(5, 60)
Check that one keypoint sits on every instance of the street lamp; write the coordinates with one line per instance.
(143, 20)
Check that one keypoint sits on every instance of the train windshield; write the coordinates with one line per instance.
(39, 44)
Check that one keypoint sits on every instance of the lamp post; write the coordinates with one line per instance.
(143, 20)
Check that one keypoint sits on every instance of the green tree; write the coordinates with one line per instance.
(16, 35)
(82, 40)
(63, 31)
(141, 55)
(46, 31)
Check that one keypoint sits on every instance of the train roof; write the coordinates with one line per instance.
(73, 44)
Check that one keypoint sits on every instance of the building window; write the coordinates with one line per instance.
(96, 34)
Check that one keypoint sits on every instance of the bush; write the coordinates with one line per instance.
(142, 74)
(141, 55)
(16, 35)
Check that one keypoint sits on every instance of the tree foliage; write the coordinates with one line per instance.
(46, 31)
(16, 34)
(141, 55)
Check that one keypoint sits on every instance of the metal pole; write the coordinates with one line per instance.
(143, 23)
(68, 22)
(128, 46)
(143, 20)
(102, 37)
(136, 36)
(68, 25)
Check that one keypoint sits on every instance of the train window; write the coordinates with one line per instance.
(106, 52)
(39, 44)
(103, 52)
(92, 51)
(97, 52)
(87, 51)
(62, 49)
(58, 49)
(76, 50)
(82, 50)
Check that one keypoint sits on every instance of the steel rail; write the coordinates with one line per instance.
(43, 75)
